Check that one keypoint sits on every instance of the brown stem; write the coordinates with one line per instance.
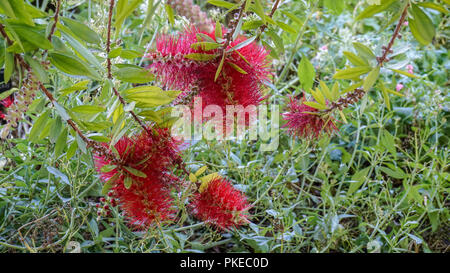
(388, 49)
(358, 93)
(52, 31)
(108, 59)
(229, 35)
(108, 41)
(263, 27)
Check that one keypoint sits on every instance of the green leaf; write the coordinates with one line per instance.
(72, 65)
(20, 11)
(9, 66)
(88, 109)
(82, 30)
(354, 59)
(76, 87)
(32, 35)
(306, 73)
(38, 126)
(61, 111)
(259, 10)
(218, 31)
(357, 180)
(374, 9)
(205, 46)
(434, 6)
(387, 141)
(130, 54)
(364, 52)
(315, 105)
(82, 50)
(127, 182)
(221, 3)
(61, 143)
(150, 96)
(134, 75)
(237, 68)
(286, 27)
(252, 24)
(123, 10)
(371, 79)
(405, 73)
(277, 40)
(110, 183)
(115, 52)
(219, 69)
(326, 91)
(385, 96)
(200, 57)
(201, 170)
(37, 68)
(421, 26)
(170, 14)
(351, 73)
(337, 7)
(397, 173)
(242, 44)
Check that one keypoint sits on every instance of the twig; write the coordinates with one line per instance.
(359, 93)
(387, 50)
(100, 149)
(230, 34)
(263, 27)
(108, 60)
(52, 31)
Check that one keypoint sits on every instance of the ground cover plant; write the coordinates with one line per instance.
(116, 132)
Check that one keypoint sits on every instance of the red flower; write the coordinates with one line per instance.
(239, 82)
(146, 201)
(221, 205)
(154, 155)
(303, 122)
(6, 103)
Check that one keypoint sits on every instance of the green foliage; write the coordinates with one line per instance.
(383, 180)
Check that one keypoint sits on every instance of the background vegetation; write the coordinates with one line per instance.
(380, 185)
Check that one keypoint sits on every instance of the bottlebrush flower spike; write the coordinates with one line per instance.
(146, 201)
(148, 197)
(221, 205)
(302, 121)
(239, 82)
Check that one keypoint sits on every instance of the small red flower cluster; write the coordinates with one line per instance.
(148, 198)
(6, 103)
(239, 82)
(305, 121)
(221, 205)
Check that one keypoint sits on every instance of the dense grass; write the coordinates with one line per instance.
(380, 185)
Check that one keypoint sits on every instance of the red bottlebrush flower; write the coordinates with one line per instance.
(221, 205)
(303, 122)
(146, 201)
(148, 198)
(6, 103)
(239, 82)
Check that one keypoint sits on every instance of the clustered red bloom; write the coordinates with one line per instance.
(148, 199)
(221, 205)
(239, 82)
(305, 121)
(6, 103)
